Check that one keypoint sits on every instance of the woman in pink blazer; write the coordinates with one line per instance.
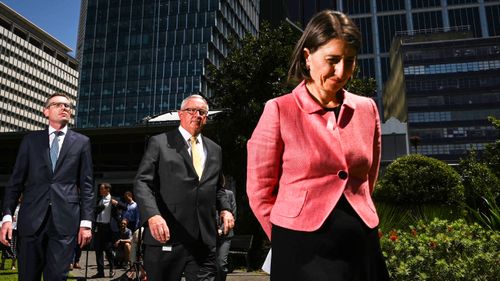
(313, 161)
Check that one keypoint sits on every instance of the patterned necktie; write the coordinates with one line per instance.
(54, 149)
(196, 155)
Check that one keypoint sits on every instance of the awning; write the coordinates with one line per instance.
(173, 116)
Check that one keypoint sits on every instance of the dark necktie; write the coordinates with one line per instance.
(54, 149)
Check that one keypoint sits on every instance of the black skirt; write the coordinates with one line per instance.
(342, 249)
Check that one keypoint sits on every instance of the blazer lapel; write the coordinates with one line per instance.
(45, 146)
(206, 168)
(175, 140)
(69, 140)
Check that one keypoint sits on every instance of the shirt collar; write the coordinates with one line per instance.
(309, 105)
(52, 130)
(187, 136)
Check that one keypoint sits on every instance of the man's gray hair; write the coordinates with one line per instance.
(193, 97)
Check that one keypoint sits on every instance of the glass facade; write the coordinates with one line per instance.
(142, 58)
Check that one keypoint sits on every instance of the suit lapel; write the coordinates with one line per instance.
(43, 140)
(177, 141)
(69, 140)
(206, 169)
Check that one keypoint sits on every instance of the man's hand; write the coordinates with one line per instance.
(159, 228)
(228, 220)
(6, 233)
(84, 236)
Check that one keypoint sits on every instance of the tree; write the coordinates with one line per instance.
(415, 141)
(254, 72)
(366, 87)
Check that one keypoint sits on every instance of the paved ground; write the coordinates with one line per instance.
(76, 274)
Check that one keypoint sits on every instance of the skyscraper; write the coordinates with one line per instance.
(33, 65)
(445, 85)
(141, 58)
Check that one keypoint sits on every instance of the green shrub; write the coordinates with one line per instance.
(400, 216)
(418, 179)
(442, 251)
(478, 181)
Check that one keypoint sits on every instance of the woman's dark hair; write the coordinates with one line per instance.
(323, 27)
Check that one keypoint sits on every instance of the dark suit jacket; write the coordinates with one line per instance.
(167, 184)
(69, 189)
(232, 203)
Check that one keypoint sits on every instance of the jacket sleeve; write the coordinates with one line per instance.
(15, 186)
(145, 183)
(86, 183)
(265, 149)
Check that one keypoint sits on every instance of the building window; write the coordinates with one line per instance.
(390, 5)
(427, 20)
(365, 27)
(469, 16)
(387, 26)
(356, 7)
(415, 4)
(492, 16)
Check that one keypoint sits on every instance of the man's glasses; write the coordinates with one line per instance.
(61, 105)
(193, 111)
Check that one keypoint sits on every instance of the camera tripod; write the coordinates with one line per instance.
(137, 268)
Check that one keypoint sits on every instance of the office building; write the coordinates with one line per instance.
(379, 20)
(33, 65)
(445, 85)
(142, 58)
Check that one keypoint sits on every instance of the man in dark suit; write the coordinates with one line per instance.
(178, 190)
(224, 240)
(53, 171)
(108, 211)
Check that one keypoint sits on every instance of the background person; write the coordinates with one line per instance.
(123, 245)
(313, 160)
(178, 191)
(224, 240)
(131, 213)
(108, 212)
(53, 170)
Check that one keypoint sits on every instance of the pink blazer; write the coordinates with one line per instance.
(301, 159)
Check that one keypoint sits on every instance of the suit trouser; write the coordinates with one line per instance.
(103, 242)
(45, 252)
(223, 245)
(197, 262)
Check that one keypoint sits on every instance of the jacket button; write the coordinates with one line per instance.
(342, 174)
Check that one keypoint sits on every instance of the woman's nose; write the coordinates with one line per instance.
(341, 68)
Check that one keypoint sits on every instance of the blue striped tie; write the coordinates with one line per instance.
(54, 149)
